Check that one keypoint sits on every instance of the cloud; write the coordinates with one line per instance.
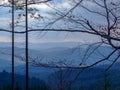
(55, 41)
(41, 7)
(9, 39)
(4, 39)
(65, 4)
(20, 40)
(44, 8)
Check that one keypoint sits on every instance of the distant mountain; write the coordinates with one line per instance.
(47, 55)
(40, 46)
(95, 78)
(56, 55)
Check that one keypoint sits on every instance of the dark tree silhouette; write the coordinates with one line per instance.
(95, 17)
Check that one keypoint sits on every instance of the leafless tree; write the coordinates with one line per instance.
(100, 18)
(96, 17)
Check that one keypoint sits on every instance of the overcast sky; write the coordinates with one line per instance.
(43, 37)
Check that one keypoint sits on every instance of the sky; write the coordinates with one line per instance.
(44, 37)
